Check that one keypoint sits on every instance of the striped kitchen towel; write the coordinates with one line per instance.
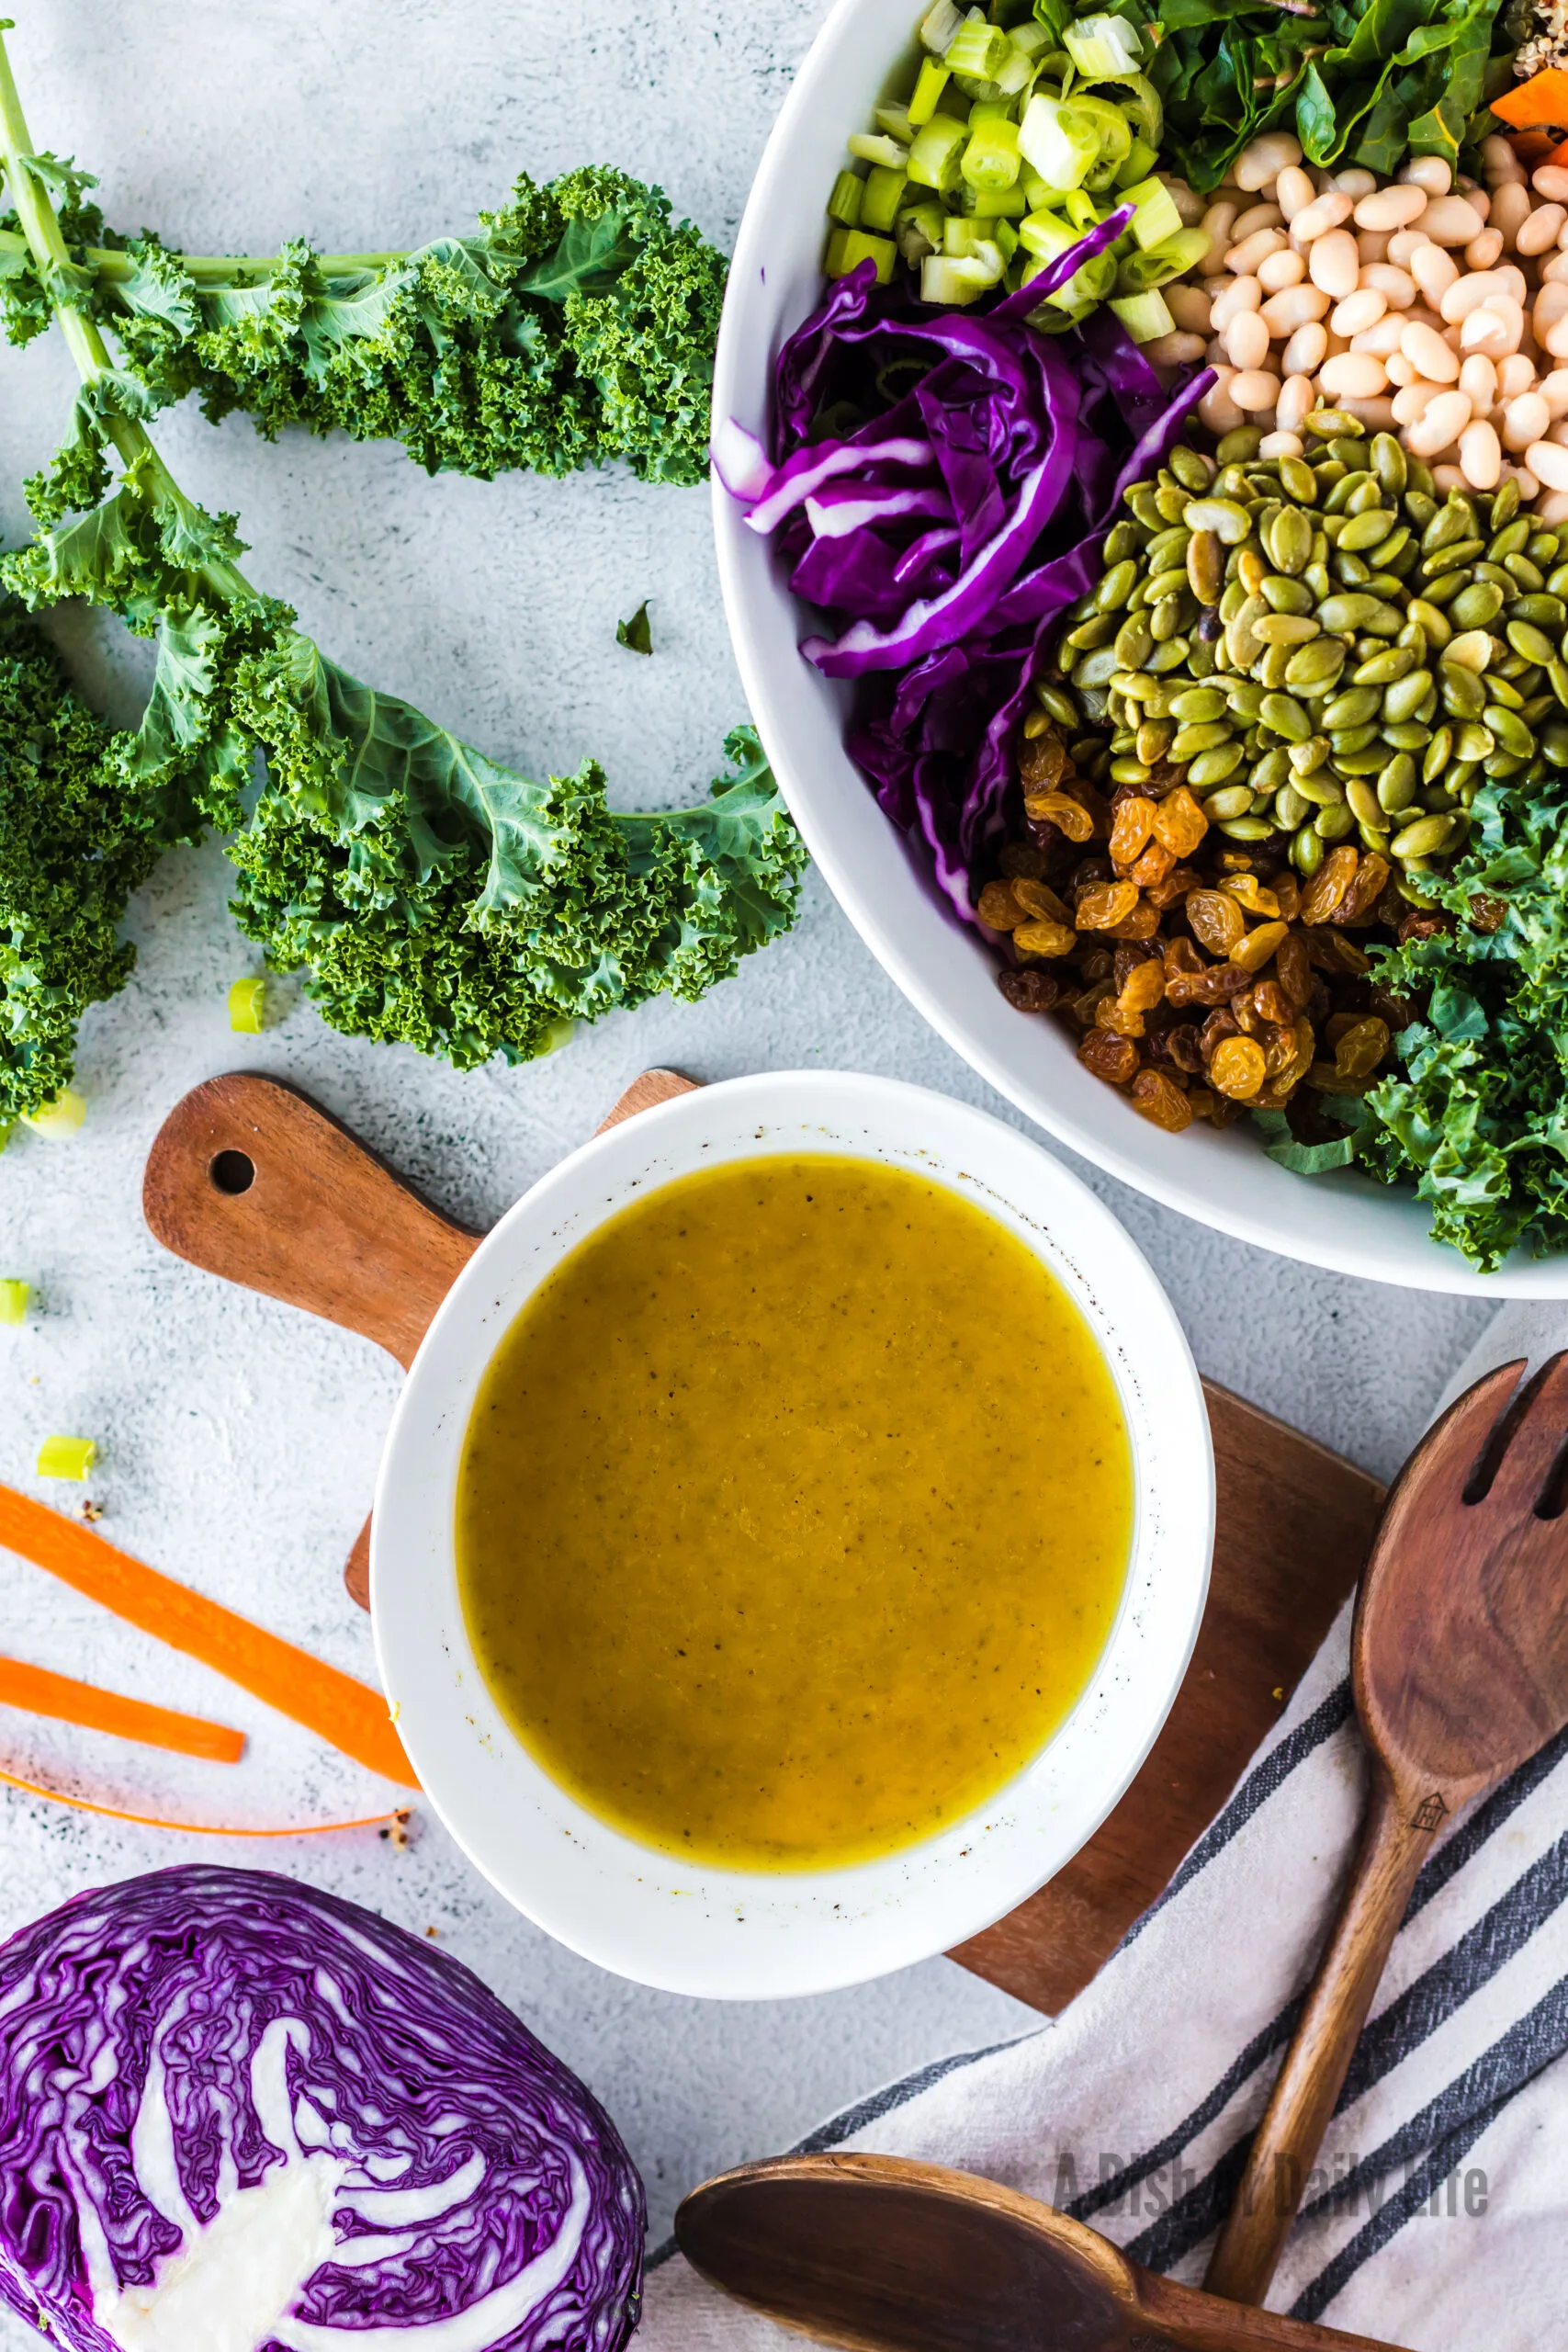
(1438, 2218)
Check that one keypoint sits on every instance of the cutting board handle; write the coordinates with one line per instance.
(250, 1179)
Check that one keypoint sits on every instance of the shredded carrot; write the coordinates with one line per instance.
(1533, 147)
(42, 1693)
(198, 1828)
(348, 1713)
(1543, 99)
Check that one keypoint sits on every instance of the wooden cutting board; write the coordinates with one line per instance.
(252, 1181)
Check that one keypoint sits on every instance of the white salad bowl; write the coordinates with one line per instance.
(752, 1935)
(1345, 1221)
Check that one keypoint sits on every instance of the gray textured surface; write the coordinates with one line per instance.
(239, 1440)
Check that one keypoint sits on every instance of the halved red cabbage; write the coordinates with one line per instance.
(943, 484)
(239, 2115)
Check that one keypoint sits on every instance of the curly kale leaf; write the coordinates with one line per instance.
(577, 328)
(1479, 1118)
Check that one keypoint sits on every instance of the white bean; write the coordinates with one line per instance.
(1216, 408)
(1325, 212)
(1552, 507)
(1441, 420)
(1382, 338)
(1558, 431)
(1399, 370)
(1412, 400)
(1551, 182)
(1362, 308)
(1354, 375)
(1280, 444)
(1450, 220)
(1296, 307)
(1515, 374)
(1371, 247)
(1478, 381)
(1247, 340)
(1429, 173)
(1255, 390)
(1241, 294)
(1216, 225)
(1549, 463)
(1404, 243)
(1480, 455)
(1510, 280)
(1530, 491)
(1396, 285)
(1554, 269)
(1526, 421)
(1551, 304)
(1242, 260)
(1478, 199)
(1434, 272)
(1553, 390)
(1496, 328)
(1446, 478)
(1555, 339)
(1510, 211)
(1484, 249)
(1294, 191)
(1306, 350)
(1427, 351)
(1354, 182)
(1188, 306)
(1257, 216)
(1191, 207)
(1377, 415)
(1276, 271)
(1262, 159)
(1297, 400)
(1334, 264)
(1540, 230)
(1387, 208)
(1468, 293)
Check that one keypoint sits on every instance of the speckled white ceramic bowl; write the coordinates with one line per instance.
(743, 1935)
(1344, 1221)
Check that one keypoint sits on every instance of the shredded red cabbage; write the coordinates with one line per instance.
(943, 484)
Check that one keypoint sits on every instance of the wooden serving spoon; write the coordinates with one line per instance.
(881, 2255)
(1459, 1655)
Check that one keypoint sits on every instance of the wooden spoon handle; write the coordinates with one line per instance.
(1201, 2322)
(252, 1181)
(1390, 1854)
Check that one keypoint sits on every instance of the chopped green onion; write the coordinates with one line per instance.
(847, 248)
(66, 1457)
(1156, 220)
(1104, 46)
(1044, 235)
(938, 27)
(1080, 208)
(14, 1297)
(875, 147)
(1038, 193)
(1139, 101)
(636, 635)
(59, 1118)
(883, 195)
(936, 154)
(1030, 38)
(929, 84)
(895, 123)
(991, 158)
(943, 279)
(554, 1040)
(967, 240)
(1015, 72)
(992, 110)
(1060, 141)
(1144, 316)
(1114, 133)
(995, 203)
(844, 204)
(1137, 272)
(977, 49)
(247, 1007)
(1088, 286)
(920, 230)
(1137, 163)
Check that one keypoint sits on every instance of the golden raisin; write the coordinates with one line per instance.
(1253, 951)
(1142, 923)
(1248, 892)
(1031, 991)
(1143, 987)
(1105, 904)
(1359, 1050)
(1327, 1079)
(1321, 896)
(1161, 1101)
(1279, 1043)
(1153, 865)
(1040, 901)
(1179, 824)
(1121, 1020)
(1294, 966)
(1360, 902)
(1115, 1059)
(1044, 938)
(1238, 1067)
(1180, 956)
(1288, 892)
(998, 907)
(1216, 919)
(1131, 829)
(1273, 1005)
(1068, 815)
(1042, 761)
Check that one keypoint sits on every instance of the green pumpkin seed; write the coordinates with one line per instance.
(1189, 740)
(1230, 521)
(1341, 614)
(1369, 523)
(1117, 586)
(1442, 591)
(1305, 757)
(1124, 538)
(1173, 651)
(1396, 784)
(1547, 611)
(1316, 663)
(1285, 715)
(1286, 596)
(1307, 852)
(1059, 705)
(1246, 829)
(1096, 669)
(1407, 735)
(1503, 690)
(1166, 549)
(1473, 742)
(1477, 606)
(1505, 503)
(1347, 741)
(1287, 538)
(1462, 691)
(1245, 698)
(1354, 707)
(1191, 470)
(1448, 560)
(1134, 643)
(1171, 501)
(1435, 625)
(1285, 629)
(1164, 618)
(1404, 697)
(1512, 735)
(1424, 838)
(1213, 766)
(1239, 446)
(1290, 808)
(1232, 800)
(1554, 742)
(1205, 567)
(1196, 704)
(1128, 770)
(1382, 669)
(1167, 583)
(1298, 481)
(1333, 824)
(1320, 786)
(1525, 574)
(1270, 771)
(1363, 802)
(1153, 740)
(1532, 642)
(1453, 521)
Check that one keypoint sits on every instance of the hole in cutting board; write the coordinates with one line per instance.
(232, 1172)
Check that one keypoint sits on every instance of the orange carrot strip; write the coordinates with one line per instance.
(348, 1713)
(42, 1693)
(195, 1829)
(1542, 99)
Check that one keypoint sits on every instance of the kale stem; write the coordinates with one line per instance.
(46, 243)
(113, 269)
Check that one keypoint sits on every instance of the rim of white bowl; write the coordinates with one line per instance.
(742, 1935)
(1346, 1222)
